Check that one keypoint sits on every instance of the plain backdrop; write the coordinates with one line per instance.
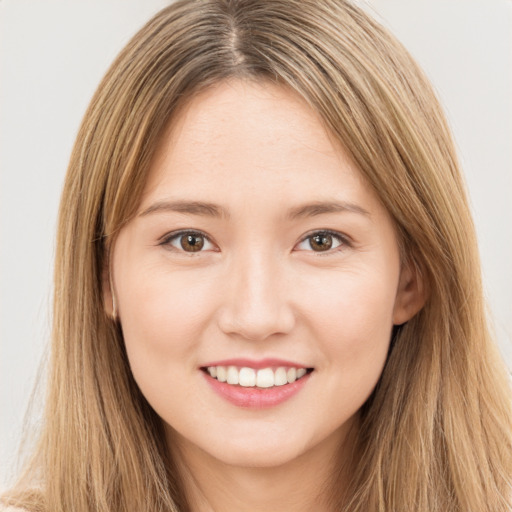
(52, 56)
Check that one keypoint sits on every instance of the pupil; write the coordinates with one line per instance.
(192, 243)
(321, 242)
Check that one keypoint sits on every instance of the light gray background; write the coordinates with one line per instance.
(52, 56)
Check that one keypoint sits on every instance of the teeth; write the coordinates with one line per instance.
(280, 377)
(301, 372)
(265, 378)
(249, 377)
(232, 375)
(221, 373)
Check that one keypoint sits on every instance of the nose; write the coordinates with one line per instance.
(256, 299)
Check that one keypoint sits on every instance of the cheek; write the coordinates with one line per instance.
(162, 315)
(352, 315)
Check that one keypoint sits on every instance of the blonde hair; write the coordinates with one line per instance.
(436, 432)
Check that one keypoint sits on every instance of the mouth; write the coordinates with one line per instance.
(262, 378)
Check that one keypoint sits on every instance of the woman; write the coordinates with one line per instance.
(267, 290)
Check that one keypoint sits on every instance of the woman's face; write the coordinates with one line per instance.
(260, 253)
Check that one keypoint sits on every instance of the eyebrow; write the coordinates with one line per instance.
(213, 210)
(190, 207)
(320, 208)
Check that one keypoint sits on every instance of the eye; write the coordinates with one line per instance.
(188, 241)
(322, 241)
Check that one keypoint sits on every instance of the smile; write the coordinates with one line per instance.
(263, 378)
(256, 385)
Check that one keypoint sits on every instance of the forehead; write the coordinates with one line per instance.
(246, 137)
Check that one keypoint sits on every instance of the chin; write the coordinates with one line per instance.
(261, 449)
(257, 455)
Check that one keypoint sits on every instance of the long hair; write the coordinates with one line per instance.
(436, 432)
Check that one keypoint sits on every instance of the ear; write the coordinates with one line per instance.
(411, 294)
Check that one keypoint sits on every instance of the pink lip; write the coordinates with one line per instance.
(255, 398)
(249, 363)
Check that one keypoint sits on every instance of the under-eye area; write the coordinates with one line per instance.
(259, 378)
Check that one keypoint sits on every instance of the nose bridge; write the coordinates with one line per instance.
(257, 301)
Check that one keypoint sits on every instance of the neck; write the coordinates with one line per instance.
(303, 484)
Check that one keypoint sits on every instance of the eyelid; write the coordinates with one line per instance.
(342, 238)
(345, 241)
(166, 239)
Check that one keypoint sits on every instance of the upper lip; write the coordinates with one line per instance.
(256, 364)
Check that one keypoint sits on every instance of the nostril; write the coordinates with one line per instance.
(254, 325)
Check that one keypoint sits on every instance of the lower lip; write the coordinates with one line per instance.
(256, 398)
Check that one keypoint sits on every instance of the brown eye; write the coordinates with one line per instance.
(321, 242)
(192, 242)
(188, 241)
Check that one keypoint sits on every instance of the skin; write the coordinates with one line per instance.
(258, 289)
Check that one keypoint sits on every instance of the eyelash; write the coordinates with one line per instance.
(343, 240)
(176, 235)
